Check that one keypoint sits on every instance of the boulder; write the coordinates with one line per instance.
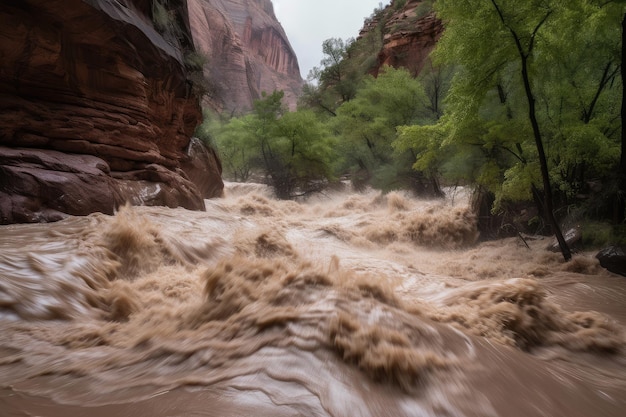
(46, 185)
(613, 258)
(572, 237)
(202, 166)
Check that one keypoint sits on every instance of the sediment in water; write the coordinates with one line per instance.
(348, 305)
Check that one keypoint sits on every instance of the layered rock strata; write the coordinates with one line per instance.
(248, 52)
(95, 110)
(410, 33)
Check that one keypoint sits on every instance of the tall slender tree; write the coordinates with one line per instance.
(488, 39)
(525, 48)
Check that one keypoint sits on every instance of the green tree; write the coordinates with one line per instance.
(436, 81)
(235, 142)
(304, 153)
(342, 70)
(293, 150)
(580, 94)
(524, 32)
(535, 96)
(367, 125)
(334, 81)
(503, 36)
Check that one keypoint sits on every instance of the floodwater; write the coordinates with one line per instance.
(343, 305)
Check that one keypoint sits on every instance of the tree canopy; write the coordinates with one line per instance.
(535, 91)
(293, 151)
(521, 101)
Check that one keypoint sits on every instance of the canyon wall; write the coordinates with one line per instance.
(247, 52)
(410, 33)
(96, 110)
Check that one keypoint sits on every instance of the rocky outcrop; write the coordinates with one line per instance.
(95, 109)
(200, 166)
(573, 238)
(248, 52)
(409, 34)
(613, 258)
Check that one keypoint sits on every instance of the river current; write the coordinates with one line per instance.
(343, 305)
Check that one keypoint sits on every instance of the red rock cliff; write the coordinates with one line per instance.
(95, 110)
(409, 34)
(248, 52)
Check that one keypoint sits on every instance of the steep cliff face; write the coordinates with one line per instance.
(95, 110)
(248, 52)
(409, 34)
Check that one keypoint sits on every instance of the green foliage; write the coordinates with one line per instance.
(231, 140)
(436, 81)
(195, 63)
(206, 130)
(293, 150)
(515, 186)
(582, 151)
(399, 4)
(368, 123)
(195, 60)
(161, 16)
(600, 234)
(306, 153)
(335, 72)
(597, 235)
(426, 143)
(424, 8)
(571, 51)
(342, 70)
(335, 81)
(166, 21)
(235, 142)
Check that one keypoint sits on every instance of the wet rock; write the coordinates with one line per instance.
(572, 237)
(95, 109)
(613, 258)
(45, 185)
(202, 166)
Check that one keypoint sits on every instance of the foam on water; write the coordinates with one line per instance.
(343, 305)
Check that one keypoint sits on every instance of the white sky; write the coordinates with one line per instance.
(308, 23)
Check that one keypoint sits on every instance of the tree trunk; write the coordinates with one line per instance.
(532, 115)
(545, 175)
(621, 198)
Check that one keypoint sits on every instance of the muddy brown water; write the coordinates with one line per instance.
(343, 305)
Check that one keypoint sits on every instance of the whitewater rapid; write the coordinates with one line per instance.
(342, 305)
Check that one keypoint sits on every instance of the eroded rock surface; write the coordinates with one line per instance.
(248, 52)
(410, 33)
(95, 110)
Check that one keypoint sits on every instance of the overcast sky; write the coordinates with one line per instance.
(308, 23)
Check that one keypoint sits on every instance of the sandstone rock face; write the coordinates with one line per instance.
(410, 34)
(95, 110)
(248, 52)
(44, 185)
(200, 166)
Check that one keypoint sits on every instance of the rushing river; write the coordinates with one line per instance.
(343, 305)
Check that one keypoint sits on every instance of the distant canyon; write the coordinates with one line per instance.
(98, 100)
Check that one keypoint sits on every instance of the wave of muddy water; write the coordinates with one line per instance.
(345, 305)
